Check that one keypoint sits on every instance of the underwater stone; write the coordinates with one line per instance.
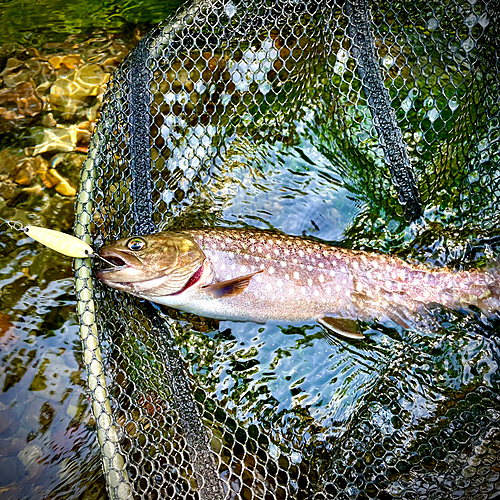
(65, 188)
(69, 166)
(69, 95)
(61, 138)
(70, 61)
(9, 160)
(17, 72)
(18, 106)
(54, 179)
(24, 172)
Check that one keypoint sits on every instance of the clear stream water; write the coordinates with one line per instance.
(47, 441)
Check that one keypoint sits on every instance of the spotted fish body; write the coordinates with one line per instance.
(251, 275)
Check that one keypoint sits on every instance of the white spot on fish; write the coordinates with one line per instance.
(338, 288)
(243, 269)
(310, 282)
(252, 268)
(279, 283)
(321, 265)
(233, 266)
(276, 251)
(302, 290)
(259, 249)
(283, 263)
(257, 259)
(309, 268)
(215, 258)
(329, 290)
(271, 270)
(296, 275)
(295, 261)
(262, 266)
(316, 293)
(287, 277)
(223, 267)
(301, 253)
(321, 278)
(359, 287)
(258, 279)
(287, 252)
(268, 286)
(355, 265)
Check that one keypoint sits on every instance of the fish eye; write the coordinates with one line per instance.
(136, 244)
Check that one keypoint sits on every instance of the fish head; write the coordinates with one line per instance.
(152, 266)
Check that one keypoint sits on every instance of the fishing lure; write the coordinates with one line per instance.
(60, 242)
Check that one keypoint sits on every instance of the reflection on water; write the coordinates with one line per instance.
(293, 189)
(47, 444)
(51, 86)
(26, 22)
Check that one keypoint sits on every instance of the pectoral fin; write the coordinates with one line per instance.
(341, 326)
(229, 288)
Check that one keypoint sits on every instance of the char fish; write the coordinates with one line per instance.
(253, 275)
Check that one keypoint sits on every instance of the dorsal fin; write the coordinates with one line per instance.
(229, 288)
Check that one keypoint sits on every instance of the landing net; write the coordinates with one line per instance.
(374, 124)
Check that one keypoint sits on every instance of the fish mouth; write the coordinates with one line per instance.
(115, 264)
(120, 268)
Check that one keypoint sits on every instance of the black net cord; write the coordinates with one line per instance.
(384, 117)
(139, 78)
(206, 474)
(194, 431)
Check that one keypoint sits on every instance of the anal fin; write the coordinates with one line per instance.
(229, 288)
(341, 326)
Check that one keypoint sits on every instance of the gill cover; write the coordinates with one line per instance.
(153, 265)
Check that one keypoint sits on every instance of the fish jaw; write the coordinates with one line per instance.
(126, 270)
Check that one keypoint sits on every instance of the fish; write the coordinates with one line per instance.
(262, 276)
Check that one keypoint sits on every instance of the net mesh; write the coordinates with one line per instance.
(339, 120)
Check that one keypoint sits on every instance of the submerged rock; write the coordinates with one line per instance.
(18, 106)
(64, 138)
(70, 61)
(69, 95)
